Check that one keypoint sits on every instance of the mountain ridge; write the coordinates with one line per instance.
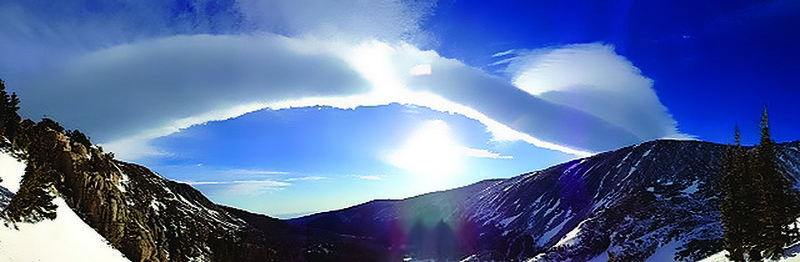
(675, 179)
(625, 205)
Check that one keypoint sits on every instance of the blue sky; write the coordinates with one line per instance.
(289, 107)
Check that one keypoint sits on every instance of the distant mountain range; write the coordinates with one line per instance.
(657, 198)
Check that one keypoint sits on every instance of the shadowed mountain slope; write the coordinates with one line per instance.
(623, 205)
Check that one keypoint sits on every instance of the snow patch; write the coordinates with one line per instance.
(791, 254)
(571, 237)
(630, 172)
(67, 238)
(692, 189)
(623, 159)
(11, 171)
(156, 206)
(123, 182)
(507, 221)
(547, 236)
(647, 153)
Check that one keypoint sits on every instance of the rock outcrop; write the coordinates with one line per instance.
(150, 218)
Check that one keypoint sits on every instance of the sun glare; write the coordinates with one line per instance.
(430, 153)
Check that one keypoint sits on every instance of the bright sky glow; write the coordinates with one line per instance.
(434, 155)
(431, 153)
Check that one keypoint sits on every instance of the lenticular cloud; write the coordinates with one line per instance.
(176, 67)
(594, 79)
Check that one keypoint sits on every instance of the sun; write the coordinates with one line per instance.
(430, 152)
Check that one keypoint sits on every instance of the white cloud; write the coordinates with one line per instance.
(369, 177)
(386, 20)
(126, 89)
(483, 153)
(385, 69)
(137, 92)
(155, 88)
(129, 94)
(239, 172)
(306, 178)
(242, 187)
(547, 124)
(249, 187)
(592, 78)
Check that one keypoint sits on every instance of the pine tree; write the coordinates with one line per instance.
(739, 202)
(731, 205)
(758, 202)
(13, 118)
(34, 199)
(9, 119)
(3, 105)
(780, 203)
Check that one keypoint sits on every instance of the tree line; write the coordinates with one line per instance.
(759, 205)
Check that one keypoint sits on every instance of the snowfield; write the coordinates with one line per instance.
(790, 255)
(11, 172)
(67, 238)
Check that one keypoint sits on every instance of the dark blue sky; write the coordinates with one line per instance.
(714, 63)
(417, 95)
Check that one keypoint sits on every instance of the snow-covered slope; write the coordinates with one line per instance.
(67, 238)
(790, 255)
(656, 201)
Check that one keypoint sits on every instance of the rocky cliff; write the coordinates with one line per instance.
(150, 218)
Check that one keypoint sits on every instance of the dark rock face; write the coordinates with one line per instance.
(623, 204)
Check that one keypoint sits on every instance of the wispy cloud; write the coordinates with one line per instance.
(242, 187)
(306, 178)
(386, 20)
(253, 172)
(483, 153)
(369, 177)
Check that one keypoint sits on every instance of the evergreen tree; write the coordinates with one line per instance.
(9, 119)
(758, 203)
(34, 199)
(79, 137)
(779, 201)
(732, 236)
(737, 202)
